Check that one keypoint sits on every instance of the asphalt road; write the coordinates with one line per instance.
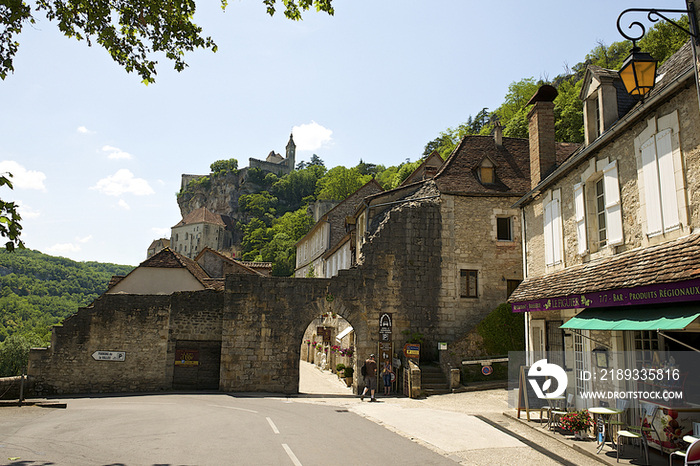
(201, 429)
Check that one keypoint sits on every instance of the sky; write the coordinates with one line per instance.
(97, 156)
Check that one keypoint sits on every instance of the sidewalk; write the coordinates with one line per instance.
(473, 428)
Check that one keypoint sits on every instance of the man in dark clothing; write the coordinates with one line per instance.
(370, 378)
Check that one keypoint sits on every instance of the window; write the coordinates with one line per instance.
(468, 283)
(598, 126)
(552, 232)
(600, 212)
(603, 213)
(504, 230)
(659, 184)
(486, 174)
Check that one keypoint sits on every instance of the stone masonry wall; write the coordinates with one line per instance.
(135, 324)
(622, 150)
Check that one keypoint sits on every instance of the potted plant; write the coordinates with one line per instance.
(339, 369)
(348, 372)
(577, 422)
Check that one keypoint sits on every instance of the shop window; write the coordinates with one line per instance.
(504, 229)
(469, 283)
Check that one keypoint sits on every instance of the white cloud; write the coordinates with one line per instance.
(83, 240)
(63, 248)
(21, 177)
(161, 232)
(123, 182)
(123, 204)
(25, 211)
(116, 153)
(311, 136)
(84, 130)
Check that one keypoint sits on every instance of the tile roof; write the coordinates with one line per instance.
(169, 259)
(512, 159)
(677, 260)
(245, 266)
(203, 215)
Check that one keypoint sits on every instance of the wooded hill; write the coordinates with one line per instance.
(39, 290)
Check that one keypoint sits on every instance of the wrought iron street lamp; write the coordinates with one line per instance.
(638, 72)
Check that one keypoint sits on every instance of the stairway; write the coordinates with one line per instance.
(433, 381)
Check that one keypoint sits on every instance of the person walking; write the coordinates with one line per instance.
(387, 370)
(370, 378)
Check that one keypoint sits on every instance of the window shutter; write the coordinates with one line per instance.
(652, 194)
(613, 206)
(667, 180)
(556, 231)
(549, 260)
(580, 211)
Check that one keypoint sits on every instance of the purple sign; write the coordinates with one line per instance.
(649, 294)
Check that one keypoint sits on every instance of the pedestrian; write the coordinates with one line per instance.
(370, 378)
(387, 370)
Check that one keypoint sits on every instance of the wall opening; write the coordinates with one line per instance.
(197, 365)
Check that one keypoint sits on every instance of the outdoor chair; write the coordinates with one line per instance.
(636, 433)
(623, 405)
(555, 414)
(693, 459)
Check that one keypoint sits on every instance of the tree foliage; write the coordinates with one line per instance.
(223, 167)
(38, 290)
(130, 31)
(14, 353)
(502, 331)
(339, 182)
(10, 227)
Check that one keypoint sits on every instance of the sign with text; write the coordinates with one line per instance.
(109, 355)
(184, 357)
(386, 350)
(651, 294)
(385, 326)
(325, 333)
(412, 350)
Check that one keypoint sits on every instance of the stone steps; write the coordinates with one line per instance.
(433, 381)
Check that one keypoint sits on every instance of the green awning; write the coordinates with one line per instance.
(665, 318)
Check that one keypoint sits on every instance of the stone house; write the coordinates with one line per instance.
(200, 229)
(426, 170)
(157, 246)
(218, 265)
(165, 273)
(326, 234)
(611, 248)
(473, 233)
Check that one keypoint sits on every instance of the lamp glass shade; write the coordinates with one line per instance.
(638, 73)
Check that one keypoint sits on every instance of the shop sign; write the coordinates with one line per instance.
(411, 350)
(325, 333)
(109, 355)
(385, 325)
(650, 294)
(184, 357)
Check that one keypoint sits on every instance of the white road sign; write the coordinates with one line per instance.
(109, 355)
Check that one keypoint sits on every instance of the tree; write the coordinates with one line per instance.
(14, 352)
(339, 183)
(131, 31)
(10, 227)
(222, 167)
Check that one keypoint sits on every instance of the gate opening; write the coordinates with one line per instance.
(327, 362)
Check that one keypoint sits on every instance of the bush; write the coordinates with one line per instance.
(503, 331)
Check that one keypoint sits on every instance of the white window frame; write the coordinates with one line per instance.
(613, 205)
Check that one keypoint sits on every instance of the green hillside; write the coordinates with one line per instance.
(38, 290)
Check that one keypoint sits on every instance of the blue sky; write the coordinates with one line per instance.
(97, 156)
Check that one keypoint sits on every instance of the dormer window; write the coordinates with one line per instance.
(486, 172)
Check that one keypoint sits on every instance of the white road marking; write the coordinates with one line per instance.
(272, 424)
(291, 455)
(232, 407)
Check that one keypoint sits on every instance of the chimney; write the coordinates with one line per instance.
(542, 143)
(498, 134)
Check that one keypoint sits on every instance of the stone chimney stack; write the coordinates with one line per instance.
(498, 135)
(542, 143)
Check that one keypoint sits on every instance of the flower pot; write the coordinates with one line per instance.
(348, 381)
(580, 435)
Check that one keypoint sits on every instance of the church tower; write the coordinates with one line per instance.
(291, 154)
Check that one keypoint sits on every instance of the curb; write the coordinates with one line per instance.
(38, 404)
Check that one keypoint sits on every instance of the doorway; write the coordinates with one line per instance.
(197, 365)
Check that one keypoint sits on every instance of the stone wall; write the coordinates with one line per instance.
(134, 324)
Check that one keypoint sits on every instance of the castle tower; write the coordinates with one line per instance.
(291, 153)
